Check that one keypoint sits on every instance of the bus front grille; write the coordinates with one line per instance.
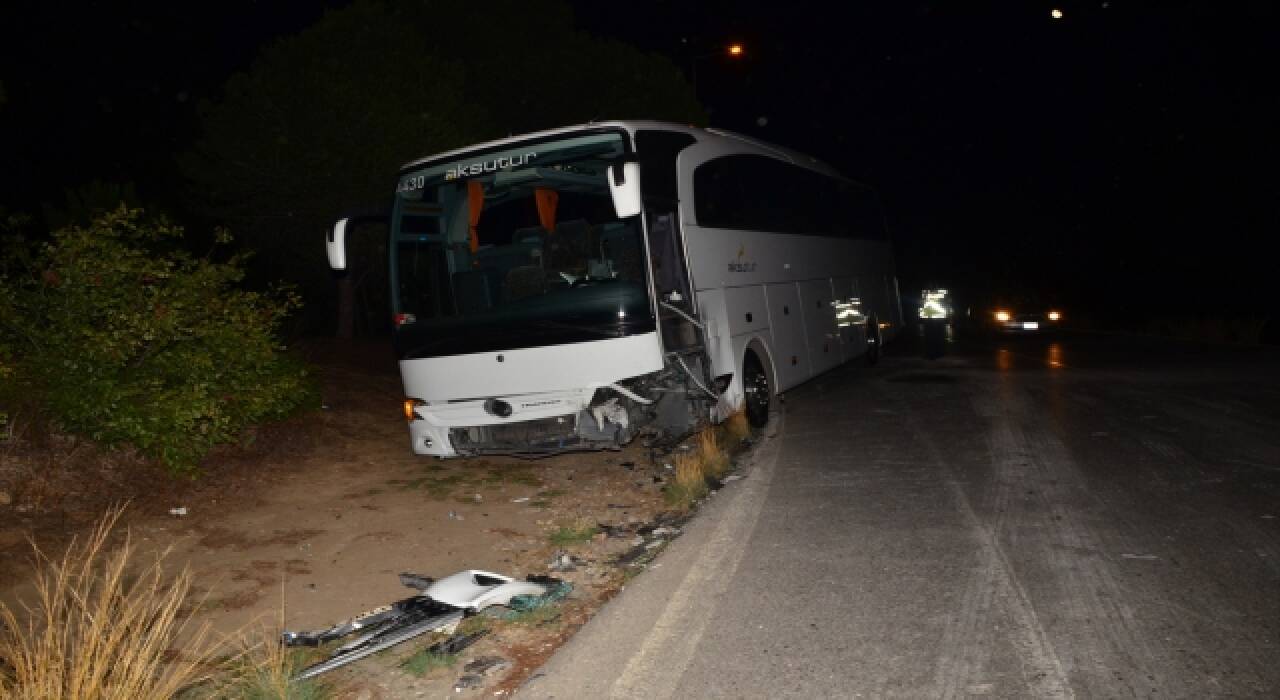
(544, 434)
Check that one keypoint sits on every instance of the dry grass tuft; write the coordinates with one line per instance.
(690, 483)
(262, 669)
(736, 426)
(715, 462)
(99, 630)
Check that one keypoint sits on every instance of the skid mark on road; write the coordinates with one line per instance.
(992, 591)
(1041, 501)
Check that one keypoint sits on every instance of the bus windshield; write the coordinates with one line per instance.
(516, 247)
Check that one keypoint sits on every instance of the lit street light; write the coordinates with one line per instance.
(734, 50)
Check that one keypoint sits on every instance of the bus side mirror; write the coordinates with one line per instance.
(336, 245)
(624, 186)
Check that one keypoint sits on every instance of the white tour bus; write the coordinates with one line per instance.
(575, 288)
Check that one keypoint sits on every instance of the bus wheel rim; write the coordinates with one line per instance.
(757, 390)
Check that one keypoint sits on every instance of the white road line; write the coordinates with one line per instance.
(658, 665)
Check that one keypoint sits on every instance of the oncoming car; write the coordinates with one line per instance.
(1026, 320)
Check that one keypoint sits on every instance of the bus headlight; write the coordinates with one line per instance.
(1002, 316)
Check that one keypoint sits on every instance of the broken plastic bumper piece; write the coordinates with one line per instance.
(439, 607)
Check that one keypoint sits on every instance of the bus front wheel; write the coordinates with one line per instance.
(755, 384)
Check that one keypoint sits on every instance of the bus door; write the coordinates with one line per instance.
(657, 151)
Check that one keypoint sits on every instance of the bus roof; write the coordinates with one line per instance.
(741, 143)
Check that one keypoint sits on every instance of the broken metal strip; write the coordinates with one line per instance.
(677, 310)
(688, 372)
(384, 641)
(621, 390)
(370, 619)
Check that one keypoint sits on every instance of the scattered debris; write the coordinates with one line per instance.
(614, 531)
(5, 498)
(475, 672)
(564, 562)
(456, 643)
(629, 465)
(1268, 517)
(439, 607)
(454, 515)
(637, 555)
(1145, 557)
(418, 581)
(731, 477)
(179, 512)
(522, 499)
(670, 520)
(556, 590)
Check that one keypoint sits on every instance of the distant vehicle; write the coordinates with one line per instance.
(935, 305)
(1025, 318)
(936, 317)
(574, 288)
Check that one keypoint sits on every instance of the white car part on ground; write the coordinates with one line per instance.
(439, 607)
(475, 590)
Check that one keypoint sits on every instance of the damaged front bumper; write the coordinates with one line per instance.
(529, 426)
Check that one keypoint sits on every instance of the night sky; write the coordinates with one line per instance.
(1123, 152)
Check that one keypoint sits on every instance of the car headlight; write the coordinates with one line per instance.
(1055, 316)
(1002, 316)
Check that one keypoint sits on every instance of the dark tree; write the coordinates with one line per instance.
(321, 121)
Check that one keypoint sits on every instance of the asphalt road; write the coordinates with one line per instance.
(1077, 516)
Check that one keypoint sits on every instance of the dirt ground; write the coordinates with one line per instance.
(311, 520)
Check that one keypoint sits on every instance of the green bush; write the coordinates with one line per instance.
(13, 250)
(131, 340)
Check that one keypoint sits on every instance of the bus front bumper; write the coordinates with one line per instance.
(465, 428)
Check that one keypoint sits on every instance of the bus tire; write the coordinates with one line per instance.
(874, 341)
(756, 390)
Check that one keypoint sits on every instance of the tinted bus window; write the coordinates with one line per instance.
(657, 152)
(766, 194)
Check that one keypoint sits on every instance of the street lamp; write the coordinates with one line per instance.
(734, 50)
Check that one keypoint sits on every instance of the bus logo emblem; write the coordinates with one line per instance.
(739, 265)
